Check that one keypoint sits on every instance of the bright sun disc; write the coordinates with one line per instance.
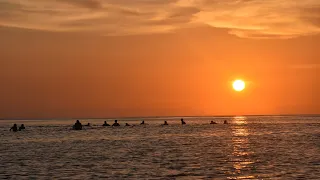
(239, 85)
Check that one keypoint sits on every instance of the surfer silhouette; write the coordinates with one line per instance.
(213, 122)
(106, 124)
(115, 123)
(77, 125)
(14, 128)
(22, 127)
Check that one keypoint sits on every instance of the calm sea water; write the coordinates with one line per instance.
(268, 147)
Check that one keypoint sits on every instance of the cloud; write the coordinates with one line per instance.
(311, 14)
(243, 18)
(90, 4)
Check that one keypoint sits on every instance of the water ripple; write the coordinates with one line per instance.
(240, 150)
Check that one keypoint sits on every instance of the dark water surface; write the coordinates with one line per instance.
(267, 147)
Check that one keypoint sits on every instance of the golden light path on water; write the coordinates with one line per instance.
(242, 152)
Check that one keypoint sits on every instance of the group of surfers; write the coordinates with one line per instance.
(78, 125)
(15, 128)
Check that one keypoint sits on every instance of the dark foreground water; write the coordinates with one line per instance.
(269, 147)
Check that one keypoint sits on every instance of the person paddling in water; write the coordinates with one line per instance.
(22, 127)
(142, 123)
(225, 122)
(14, 128)
(77, 125)
(165, 123)
(213, 122)
(127, 124)
(106, 124)
(183, 122)
(115, 123)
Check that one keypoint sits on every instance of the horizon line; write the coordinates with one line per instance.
(149, 117)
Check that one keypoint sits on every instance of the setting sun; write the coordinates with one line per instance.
(239, 85)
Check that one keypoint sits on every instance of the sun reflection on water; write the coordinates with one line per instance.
(242, 153)
(240, 120)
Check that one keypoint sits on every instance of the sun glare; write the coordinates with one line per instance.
(239, 85)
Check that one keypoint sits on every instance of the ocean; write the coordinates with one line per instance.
(249, 147)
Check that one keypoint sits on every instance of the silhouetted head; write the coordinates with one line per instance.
(105, 122)
(15, 125)
(211, 121)
(115, 121)
(182, 120)
(22, 125)
(78, 121)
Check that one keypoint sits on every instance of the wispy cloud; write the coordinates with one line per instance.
(90, 4)
(243, 18)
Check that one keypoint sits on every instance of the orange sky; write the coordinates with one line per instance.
(140, 64)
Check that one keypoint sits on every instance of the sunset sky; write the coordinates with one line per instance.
(116, 58)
